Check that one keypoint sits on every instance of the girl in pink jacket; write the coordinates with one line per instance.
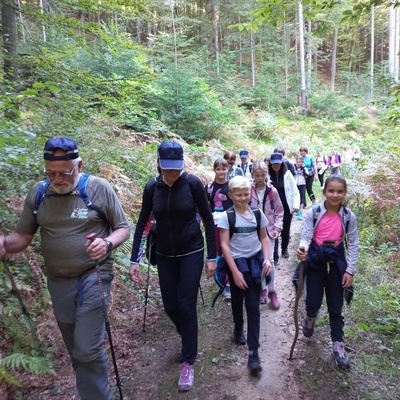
(266, 197)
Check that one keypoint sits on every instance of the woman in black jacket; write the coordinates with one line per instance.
(174, 199)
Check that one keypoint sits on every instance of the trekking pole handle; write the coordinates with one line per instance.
(91, 236)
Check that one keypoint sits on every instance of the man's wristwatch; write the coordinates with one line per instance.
(109, 244)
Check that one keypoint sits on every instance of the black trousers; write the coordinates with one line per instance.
(179, 279)
(251, 298)
(309, 187)
(328, 280)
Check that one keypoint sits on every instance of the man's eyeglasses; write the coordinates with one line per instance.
(63, 174)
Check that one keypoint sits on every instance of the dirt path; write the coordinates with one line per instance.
(277, 332)
(148, 362)
(221, 367)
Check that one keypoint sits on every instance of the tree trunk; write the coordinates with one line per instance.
(333, 56)
(303, 92)
(371, 91)
(253, 59)
(215, 9)
(9, 32)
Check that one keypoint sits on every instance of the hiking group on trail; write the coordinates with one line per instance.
(244, 211)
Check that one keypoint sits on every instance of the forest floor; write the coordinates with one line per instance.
(148, 361)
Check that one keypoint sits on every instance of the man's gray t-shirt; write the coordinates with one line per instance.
(64, 222)
(246, 244)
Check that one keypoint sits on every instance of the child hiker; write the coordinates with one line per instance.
(217, 194)
(322, 248)
(300, 174)
(266, 197)
(248, 258)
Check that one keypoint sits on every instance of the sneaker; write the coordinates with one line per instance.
(254, 363)
(227, 292)
(285, 253)
(186, 377)
(263, 296)
(308, 326)
(238, 337)
(300, 216)
(276, 262)
(274, 304)
(340, 355)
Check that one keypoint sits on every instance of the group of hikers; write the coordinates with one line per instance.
(244, 212)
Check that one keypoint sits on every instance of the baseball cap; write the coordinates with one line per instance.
(276, 158)
(170, 155)
(243, 154)
(63, 143)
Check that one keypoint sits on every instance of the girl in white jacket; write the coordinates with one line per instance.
(285, 184)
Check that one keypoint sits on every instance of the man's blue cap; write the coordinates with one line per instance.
(65, 144)
(243, 154)
(170, 155)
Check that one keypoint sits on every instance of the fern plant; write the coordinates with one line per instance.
(32, 364)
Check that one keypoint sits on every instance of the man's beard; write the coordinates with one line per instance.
(65, 188)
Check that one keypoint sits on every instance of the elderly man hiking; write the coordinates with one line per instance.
(66, 211)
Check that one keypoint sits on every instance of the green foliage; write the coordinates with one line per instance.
(32, 364)
(332, 106)
(6, 377)
(187, 105)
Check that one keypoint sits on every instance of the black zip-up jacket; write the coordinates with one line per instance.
(175, 210)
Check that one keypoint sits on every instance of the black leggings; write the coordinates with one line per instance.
(179, 279)
(309, 185)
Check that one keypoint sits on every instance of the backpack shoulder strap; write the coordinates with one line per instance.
(268, 194)
(316, 209)
(209, 190)
(82, 192)
(230, 212)
(41, 194)
(257, 214)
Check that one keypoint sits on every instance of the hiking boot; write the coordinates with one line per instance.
(186, 377)
(227, 292)
(308, 326)
(263, 296)
(285, 253)
(254, 363)
(341, 358)
(238, 337)
(274, 304)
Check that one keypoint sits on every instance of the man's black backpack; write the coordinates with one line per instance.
(220, 274)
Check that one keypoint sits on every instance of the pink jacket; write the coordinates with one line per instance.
(275, 215)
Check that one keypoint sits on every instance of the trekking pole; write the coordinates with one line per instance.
(15, 291)
(91, 237)
(201, 295)
(299, 292)
(146, 297)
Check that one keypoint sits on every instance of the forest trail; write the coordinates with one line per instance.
(221, 367)
(148, 361)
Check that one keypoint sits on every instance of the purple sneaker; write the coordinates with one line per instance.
(186, 377)
(263, 296)
(275, 304)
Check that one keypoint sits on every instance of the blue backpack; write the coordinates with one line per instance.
(81, 191)
(220, 275)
